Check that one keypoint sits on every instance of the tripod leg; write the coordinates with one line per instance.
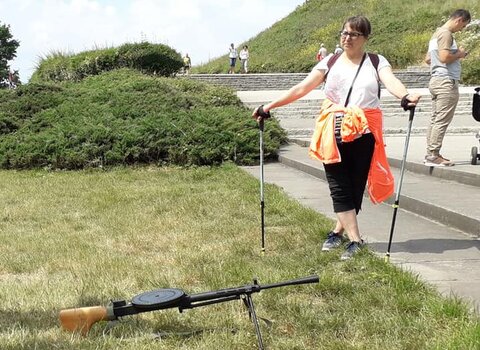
(247, 299)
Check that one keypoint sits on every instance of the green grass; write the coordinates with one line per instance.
(70, 239)
(401, 30)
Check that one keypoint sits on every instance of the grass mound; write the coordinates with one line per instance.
(148, 58)
(126, 117)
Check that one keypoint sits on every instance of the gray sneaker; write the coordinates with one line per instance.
(352, 249)
(334, 240)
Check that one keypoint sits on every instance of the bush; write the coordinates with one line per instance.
(125, 117)
(149, 58)
(471, 71)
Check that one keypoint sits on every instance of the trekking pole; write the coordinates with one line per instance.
(262, 201)
(399, 186)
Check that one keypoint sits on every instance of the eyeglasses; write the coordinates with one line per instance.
(353, 35)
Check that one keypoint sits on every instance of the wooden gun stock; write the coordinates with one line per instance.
(82, 319)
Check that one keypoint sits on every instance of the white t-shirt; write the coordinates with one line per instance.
(232, 53)
(339, 80)
(443, 39)
(244, 55)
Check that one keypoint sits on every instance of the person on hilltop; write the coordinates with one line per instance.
(348, 133)
(187, 64)
(244, 56)
(444, 58)
(338, 50)
(322, 52)
(232, 55)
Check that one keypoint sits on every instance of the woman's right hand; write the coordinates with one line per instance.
(259, 114)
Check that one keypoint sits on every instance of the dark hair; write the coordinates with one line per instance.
(360, 24)
(463, 14)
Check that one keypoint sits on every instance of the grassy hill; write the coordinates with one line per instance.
(126, 117)
(401, 30)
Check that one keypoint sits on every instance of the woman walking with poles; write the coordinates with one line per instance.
(348, 134)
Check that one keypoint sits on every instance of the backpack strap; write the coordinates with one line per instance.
(375, 61)
(331, 61)
(373, 58)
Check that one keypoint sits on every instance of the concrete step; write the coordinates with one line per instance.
(297, 118)
(392, 125)
(442, 200)
(457, 147)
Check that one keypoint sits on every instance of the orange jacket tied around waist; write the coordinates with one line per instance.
(356, 121)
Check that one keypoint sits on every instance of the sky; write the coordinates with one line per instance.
(202, 28)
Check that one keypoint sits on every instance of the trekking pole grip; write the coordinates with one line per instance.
(412, 113)
(261, 124)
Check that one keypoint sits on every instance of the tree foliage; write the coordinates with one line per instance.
(8, 50)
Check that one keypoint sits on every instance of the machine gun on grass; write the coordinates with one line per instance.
(82, 319)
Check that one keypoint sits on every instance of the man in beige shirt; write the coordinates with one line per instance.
(444, 58)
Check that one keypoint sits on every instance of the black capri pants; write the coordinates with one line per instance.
(347, 179)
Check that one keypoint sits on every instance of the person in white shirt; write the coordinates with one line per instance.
(322, 52)
(338, 50)
(350, 160)
(244, 55)
(232, 55)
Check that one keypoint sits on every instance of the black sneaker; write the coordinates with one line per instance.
(334, 240)
(352, 249)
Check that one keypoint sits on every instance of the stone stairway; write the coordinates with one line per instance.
(415, 77)
(298, 118)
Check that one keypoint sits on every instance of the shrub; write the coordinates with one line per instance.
(471, 71)
(125, 117)
(148, 58)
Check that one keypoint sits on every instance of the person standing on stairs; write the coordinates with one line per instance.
(244, 56)
(348, 133)
(232, 57)
(444, 57)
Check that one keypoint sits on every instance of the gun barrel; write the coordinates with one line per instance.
(303, 280)
(82, 319)
(222, 294)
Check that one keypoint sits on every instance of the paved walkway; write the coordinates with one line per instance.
(440, 255)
